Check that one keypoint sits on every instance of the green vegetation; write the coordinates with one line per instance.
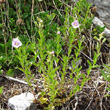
(54, 38)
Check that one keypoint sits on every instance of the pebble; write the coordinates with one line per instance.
(21, 102)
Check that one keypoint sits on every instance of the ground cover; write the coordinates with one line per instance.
(54, 46)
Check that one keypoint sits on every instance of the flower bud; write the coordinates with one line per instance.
(19, 22)
(2, 1)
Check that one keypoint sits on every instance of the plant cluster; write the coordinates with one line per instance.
(52, 41)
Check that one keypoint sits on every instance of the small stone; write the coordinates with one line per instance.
(21, 102)
(96, 21)
(106, 33)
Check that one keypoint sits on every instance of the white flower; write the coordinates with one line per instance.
(16, 43)
(58, 32)
(75, 24)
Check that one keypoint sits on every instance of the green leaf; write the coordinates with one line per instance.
(1, 89)
(51, 17)
(10, 72)
(1, 25)
(40, 0)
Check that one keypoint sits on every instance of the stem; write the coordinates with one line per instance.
(32, 11)
(5, 40)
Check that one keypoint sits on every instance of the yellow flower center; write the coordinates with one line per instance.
(16, 43)
(75, 24)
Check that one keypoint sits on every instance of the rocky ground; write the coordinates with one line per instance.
(91, 97)
(103, 7)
